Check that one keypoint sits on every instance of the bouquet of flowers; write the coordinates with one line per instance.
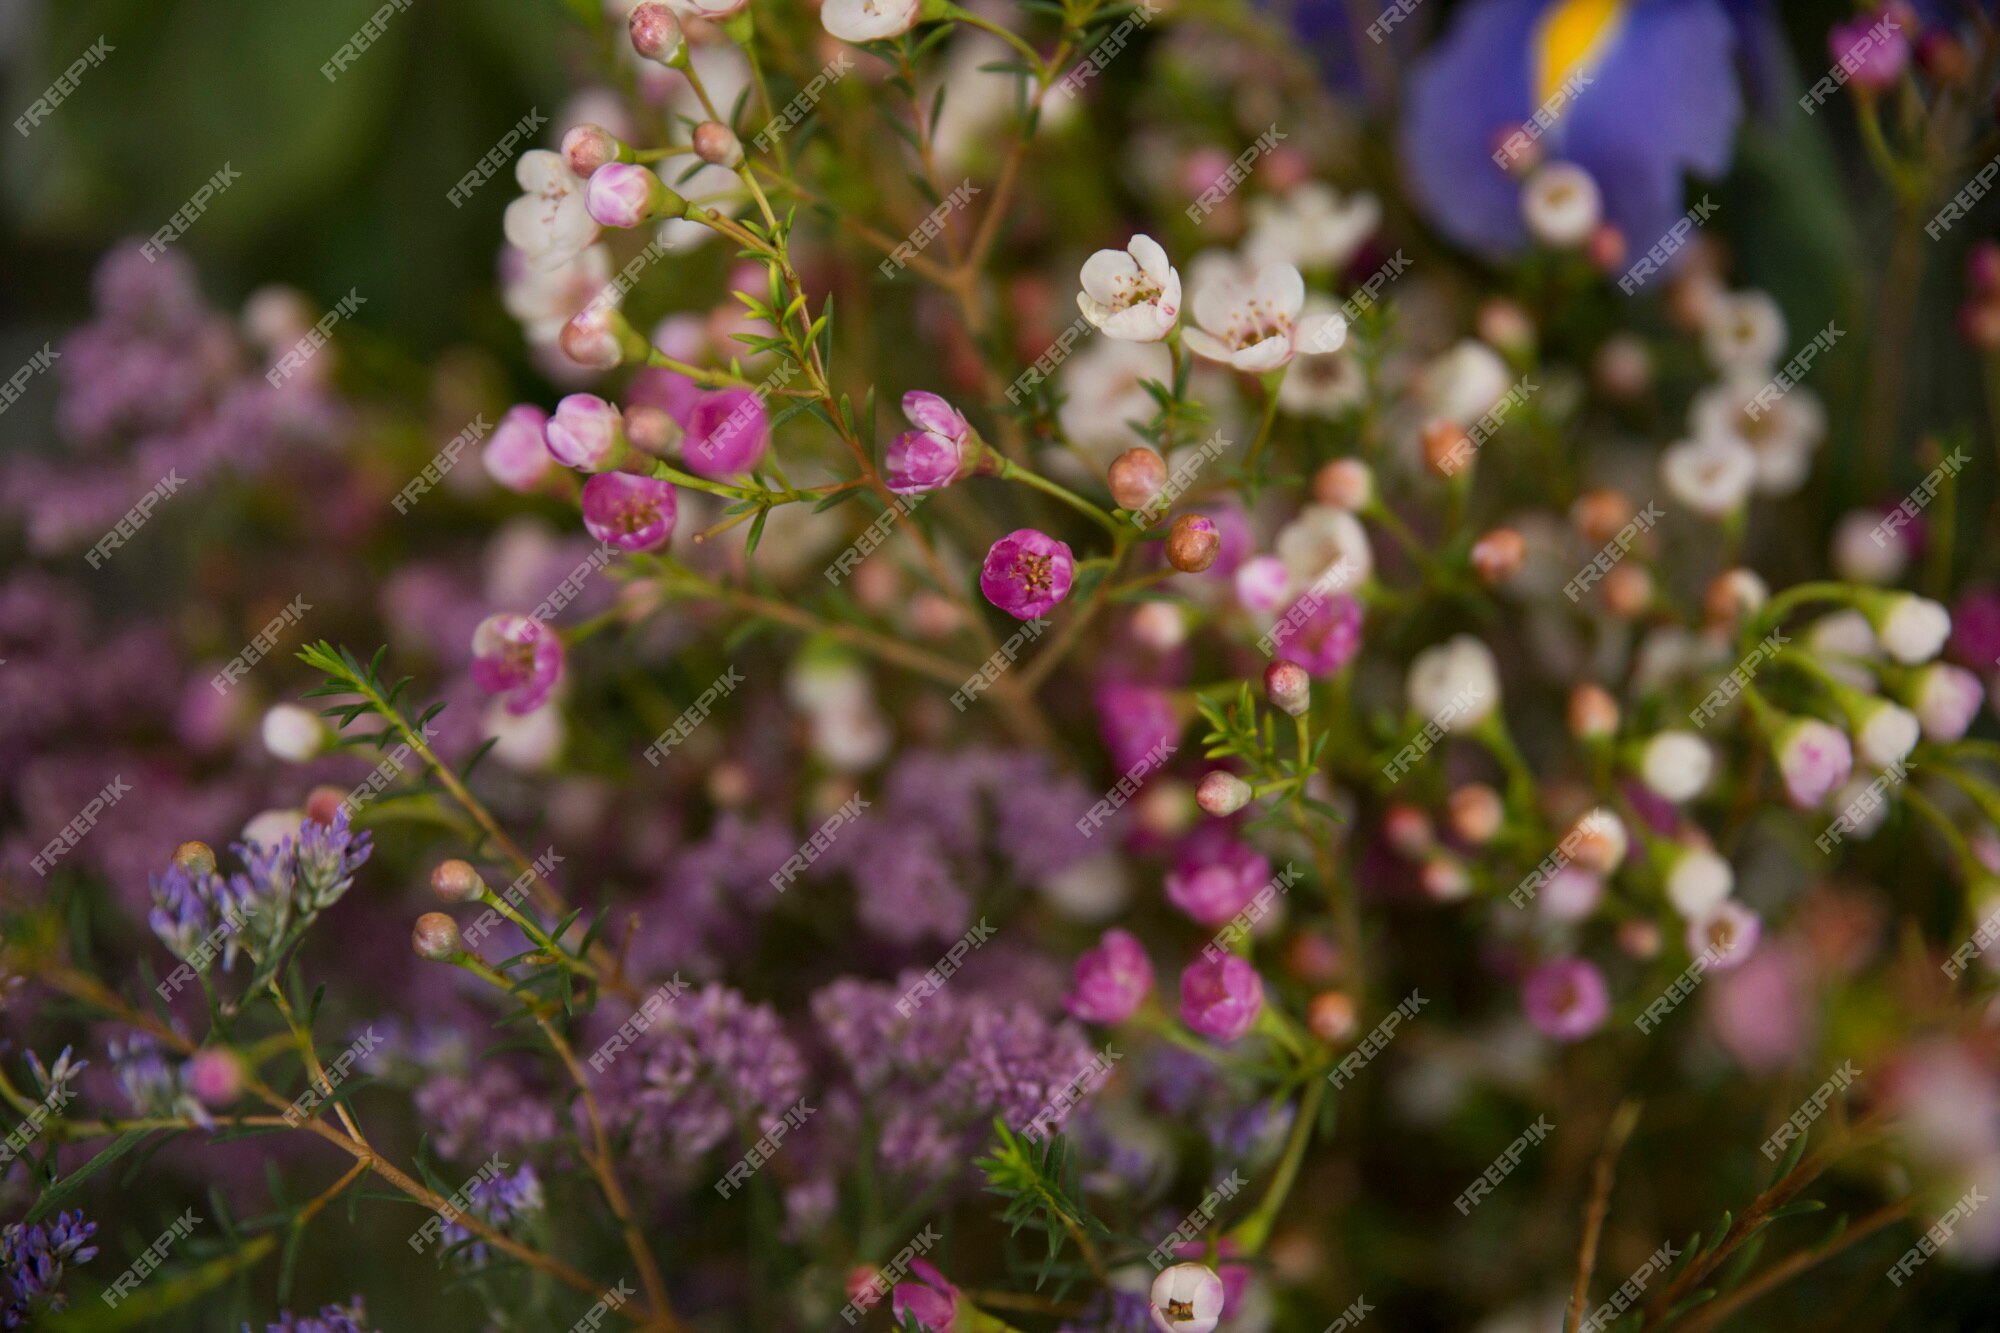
(1072, 665)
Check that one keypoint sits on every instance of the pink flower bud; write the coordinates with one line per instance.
(653, 430)
(1814, 757)
(586, 433)
(1345, 483)
(1946, 698)
(716, 143)
(1136, 478)
(215, 1077)
(588, 147)
(930, 1299)
(517, 454)
(656, 33)
(1221, 998)
(1215, 875)
(1193, 543)
(600, 337)
(1222, 794)
(456, 881)
(1728, 935)
(1111, 981)
(931, 456)
(435, 937)
(626, 194)
(727, 431)
(1288, 686)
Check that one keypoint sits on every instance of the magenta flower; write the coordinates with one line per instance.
(518, 658)
(586, 433)
(630, 512)
(1814, 757)
(1112, 980)
(1221, 997)
(1329, 638)
(1871, 49)
(1027, 573)
(727, 430)
(1135, 720)
(1215, 875)
(932, 455)
(1566, 998)
(930, 1298)
(517, 454)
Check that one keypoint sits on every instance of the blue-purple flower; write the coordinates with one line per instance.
(1636, 92)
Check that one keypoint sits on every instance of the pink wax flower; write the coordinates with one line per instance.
(1112, 980)
(1261, 584)
(630, 512)
(1235, 1276)
(586, 433)
(1135, 721)
(932, 455)
(727, 430)
(1566, 998)
(1975, 629)
(518, 658)
(1814, 757)
(1761, 1012)
(929, 1297)
(1215, 875)
(1221, 997)
(1728, 935)
(1873, 52)
(1329, 638)
(1027, 573)
(517, 454)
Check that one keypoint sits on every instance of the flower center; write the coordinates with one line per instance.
(1135, 289)
(634, 515)
(1032, 572)
(1253, 322)
(1180, 1309)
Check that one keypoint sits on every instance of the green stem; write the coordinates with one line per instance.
(1012, 471)
(1256, 1229)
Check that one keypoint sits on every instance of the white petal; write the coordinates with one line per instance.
(1105, 271)
(1316, 335)
(1204, 344)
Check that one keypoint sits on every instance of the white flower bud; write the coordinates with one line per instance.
(1677, 765)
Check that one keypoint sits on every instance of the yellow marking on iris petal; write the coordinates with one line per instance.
(1573, 35)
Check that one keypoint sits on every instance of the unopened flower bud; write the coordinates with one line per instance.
(1193, 543)
(626, 194)
(1136, 478)
(1443, 878)
(1593, 713)
(656, 33)
(1161, 626)
(1505, 325)
(1330, 1014)
(323, 803)
(1345, 483)
(435, 937)
(1734, 594)
(215, 1077)
(1408, 830)
(587, 433)
(1607, 248)
(1447, 448)
(456, 881)
(1497, 556)
(653, 431)
(1222, 794)
(716, 143)
(1288, 686)
(600, 337)
(292, 733)
(197, 858)
(588, 147)
(1599, 841)
(1639, 938)
(1599, 514)
(1623, 367)
(1475, 811)
(1628, 590)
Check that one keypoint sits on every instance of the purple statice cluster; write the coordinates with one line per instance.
(487, 1109)
(33, 1257)
(161, 386)
(712, 1067)
(349, 1318)
(923, 840)
(280, 890)
(926, 1085)
(499, 1201)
